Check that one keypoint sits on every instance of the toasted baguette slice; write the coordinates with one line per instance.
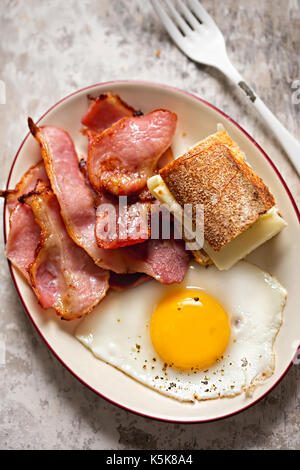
(214, 173)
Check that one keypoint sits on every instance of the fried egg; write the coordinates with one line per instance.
(208, 337)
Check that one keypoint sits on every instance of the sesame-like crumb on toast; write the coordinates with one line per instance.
(215, 174)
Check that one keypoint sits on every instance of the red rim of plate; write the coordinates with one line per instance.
(142, 82)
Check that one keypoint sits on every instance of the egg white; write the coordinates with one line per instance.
(117, 332)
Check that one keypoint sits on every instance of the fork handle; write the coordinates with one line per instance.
(286, 139)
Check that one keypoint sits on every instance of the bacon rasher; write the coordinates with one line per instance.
(104, 111)
(24, 233)
(27, 183)
(62, 275)
(164, 260)
(23, 238)
(123, 157)
(119, 225)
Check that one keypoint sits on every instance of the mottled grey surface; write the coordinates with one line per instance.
(49, 49)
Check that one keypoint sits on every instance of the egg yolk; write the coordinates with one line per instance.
(189, 329)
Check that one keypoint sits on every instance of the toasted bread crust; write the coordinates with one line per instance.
(214, 173)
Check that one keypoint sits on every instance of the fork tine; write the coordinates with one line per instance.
(167, 22)
(194, 22)
(201, 13)
(185, 28)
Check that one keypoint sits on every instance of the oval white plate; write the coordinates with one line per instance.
(280, 256)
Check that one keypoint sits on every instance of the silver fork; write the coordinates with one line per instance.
(197, 35)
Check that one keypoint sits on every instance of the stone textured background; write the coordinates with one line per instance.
(51, 48)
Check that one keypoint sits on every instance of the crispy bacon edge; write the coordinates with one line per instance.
(44, 191)
(116, 189)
